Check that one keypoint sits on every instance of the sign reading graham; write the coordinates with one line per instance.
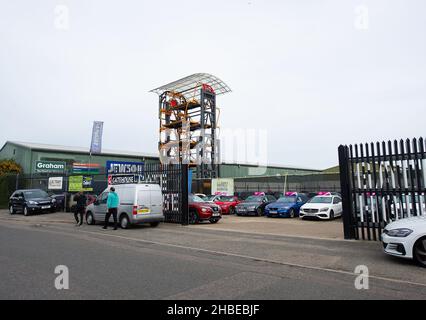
(50, 166)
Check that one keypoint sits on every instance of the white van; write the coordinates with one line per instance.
(139, 203)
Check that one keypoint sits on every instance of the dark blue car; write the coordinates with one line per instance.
(286, 207)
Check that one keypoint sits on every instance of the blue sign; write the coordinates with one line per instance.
(96, 145)
(124, 168)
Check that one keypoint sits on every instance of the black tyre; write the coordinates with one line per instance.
(124, 221)
(259, 212)
(332, 215)
(291, 213)
(232, 210)
(11, 210)
(90, 219)
(154, 224)
(193, 217)
(419, 252)
(26, 212)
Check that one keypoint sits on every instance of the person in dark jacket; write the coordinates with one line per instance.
(80, 208)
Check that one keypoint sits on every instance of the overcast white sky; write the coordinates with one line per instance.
(301, 69)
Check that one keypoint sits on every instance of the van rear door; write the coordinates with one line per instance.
(143, 201)
(156, 201)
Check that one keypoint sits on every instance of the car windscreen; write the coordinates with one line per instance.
(193, 198)
(287, 199)
(321, 200)
(34, 194)
(210, 198)
(254, 199)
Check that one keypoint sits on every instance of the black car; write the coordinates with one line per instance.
(254, 205)
(31, 201)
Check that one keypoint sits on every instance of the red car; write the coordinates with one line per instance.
(226, 203)
(200, 210)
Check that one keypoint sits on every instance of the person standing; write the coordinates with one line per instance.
(80, 207)
(112, 206)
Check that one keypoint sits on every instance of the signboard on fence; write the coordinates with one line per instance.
(50, 166)
(223, 186)
(55, 183)
(80, 183)
(123, 179)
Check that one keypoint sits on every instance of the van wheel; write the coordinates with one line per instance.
(154, 224)
(26, 213)
(124, 221)
(90, 220)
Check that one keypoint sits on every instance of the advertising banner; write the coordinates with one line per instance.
(80, 183)
(223, 186)
(86, 168)
(55, 183)
(96, 144)
(50, 166)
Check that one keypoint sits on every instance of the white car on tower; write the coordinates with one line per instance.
(325, 207)
(406, 238)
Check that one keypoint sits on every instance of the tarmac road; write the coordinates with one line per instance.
(174, 262)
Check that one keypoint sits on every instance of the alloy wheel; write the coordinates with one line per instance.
(420, 252)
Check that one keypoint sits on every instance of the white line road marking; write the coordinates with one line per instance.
(253, 258)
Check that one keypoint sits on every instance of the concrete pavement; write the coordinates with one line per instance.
(191, 263)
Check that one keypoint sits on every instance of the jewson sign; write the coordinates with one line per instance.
(124, 168)
(50, 166)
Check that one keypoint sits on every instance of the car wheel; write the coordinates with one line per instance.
(154, 224)
(26, 213)
(124, 221)
(231, 210)
(259, 211)
(332, 215)
(193, 217)
(213, 221)
(420, 252)
(90, 219)
(291, 213)
(11, 210)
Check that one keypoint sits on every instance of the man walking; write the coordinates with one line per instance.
(80, 207)
(112, 206)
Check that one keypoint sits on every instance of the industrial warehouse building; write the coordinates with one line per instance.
(38, 160)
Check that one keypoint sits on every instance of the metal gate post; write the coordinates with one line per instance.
(348, 221)
(184, 192)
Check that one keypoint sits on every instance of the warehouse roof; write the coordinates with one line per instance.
(68, 149)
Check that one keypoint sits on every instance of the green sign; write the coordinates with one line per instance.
(50, 166)
(79, 183)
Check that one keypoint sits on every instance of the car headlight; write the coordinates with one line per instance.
(53, 200)
(204, 209)
(32, 202)
(399, 233)
(324, 209)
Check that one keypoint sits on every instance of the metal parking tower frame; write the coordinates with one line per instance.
(188, 117)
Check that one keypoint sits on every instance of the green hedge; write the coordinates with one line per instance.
(5, 190)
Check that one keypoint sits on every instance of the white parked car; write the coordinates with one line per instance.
(322, 207)
(406, 238)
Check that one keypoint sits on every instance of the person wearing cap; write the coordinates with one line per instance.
(112, 206)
